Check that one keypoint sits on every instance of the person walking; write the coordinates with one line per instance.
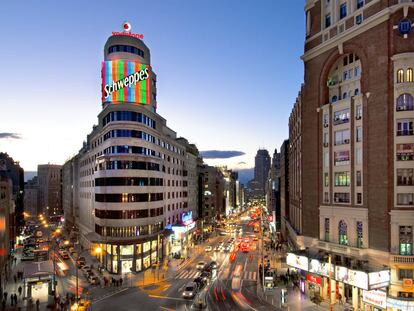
(3, 304)
(15, 299)
(20, 290)
(37, 304)
(12, 299)
(5, 296)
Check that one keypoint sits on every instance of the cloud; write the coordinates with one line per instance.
(10, 136)
(221, 154)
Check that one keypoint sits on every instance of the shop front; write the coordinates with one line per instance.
(181, 239)
(338, 284)
(38, 281)
(124, 258)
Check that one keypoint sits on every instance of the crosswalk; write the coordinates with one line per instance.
(224, 275)
(246, 275)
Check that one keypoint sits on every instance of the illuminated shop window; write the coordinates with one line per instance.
(343, 233)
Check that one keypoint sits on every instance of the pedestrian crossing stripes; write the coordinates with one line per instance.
(224, 275)
(187, 274)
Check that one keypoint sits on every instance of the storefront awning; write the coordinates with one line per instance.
(38, 269)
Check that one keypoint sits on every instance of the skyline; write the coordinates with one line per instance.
(68, 70)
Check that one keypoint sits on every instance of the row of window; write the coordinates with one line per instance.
(128, 214)
(129, 133)
(128, 181)
(130, 231)
(125, 49)
(129, 165)
(343, 179)
(128, 197)
(342, 116)
(131, 150)
(405, 102)
(407, 77)
(128, 116)
(343, 232)
(343, 137)
(343, 12)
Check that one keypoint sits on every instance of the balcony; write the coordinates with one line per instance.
(399, 259)
(405, 132)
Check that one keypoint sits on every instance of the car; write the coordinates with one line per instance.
(40, 240)
(208, 248)
(217, 248)
(200, 282)
(86, 268)
(201, 265)
(72, 250)
(213, 265)
(205, 275)
(190, 290)
(255, 238)
(245, 249)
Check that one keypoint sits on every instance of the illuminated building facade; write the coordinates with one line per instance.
(133, 170)
(357, 149)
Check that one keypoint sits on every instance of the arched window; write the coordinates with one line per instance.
(334, 98)
(356, 93)
(409, 75)
(405, 102)
(400, 76)
(343, 233)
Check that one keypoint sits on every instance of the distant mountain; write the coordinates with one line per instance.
(245, 175)
(29, 175)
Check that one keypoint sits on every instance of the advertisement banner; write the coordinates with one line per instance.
(379, 279)
(376, 298)
(358, 279)
(125, 81)
(299, 262)
(321, 268)
(341, 274)
(314, 279)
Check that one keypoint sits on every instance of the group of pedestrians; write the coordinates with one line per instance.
(111, 281)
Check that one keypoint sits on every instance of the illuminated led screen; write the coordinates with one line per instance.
(125, 81)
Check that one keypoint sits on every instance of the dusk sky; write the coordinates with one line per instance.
(228, 72)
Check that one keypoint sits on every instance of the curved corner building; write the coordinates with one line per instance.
(133, 169)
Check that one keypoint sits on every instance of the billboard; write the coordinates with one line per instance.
(125, 81)
(296, 261)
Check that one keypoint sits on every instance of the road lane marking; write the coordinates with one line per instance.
(110, 295)
(166, 297)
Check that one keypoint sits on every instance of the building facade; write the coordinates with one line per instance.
(70, 192)
(133, 173)
(49, 178)
(6, 209)
(31, 196)
(12, 170)
(261, 170)
(284, 189)
(273, 190)
(356, 148)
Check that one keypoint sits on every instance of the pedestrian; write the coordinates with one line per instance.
(20, 290)
(121, 281)
(15, 298)
(12, 299)
(15, 260)
(3, 304)
(15, 278)
(5, 296)
(37, 304)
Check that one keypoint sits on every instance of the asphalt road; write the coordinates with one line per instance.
(226, 292)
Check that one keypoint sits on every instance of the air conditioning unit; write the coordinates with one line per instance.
(358, 117)
(326, 125)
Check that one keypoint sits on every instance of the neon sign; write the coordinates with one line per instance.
(127, 28)
(125, 81)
